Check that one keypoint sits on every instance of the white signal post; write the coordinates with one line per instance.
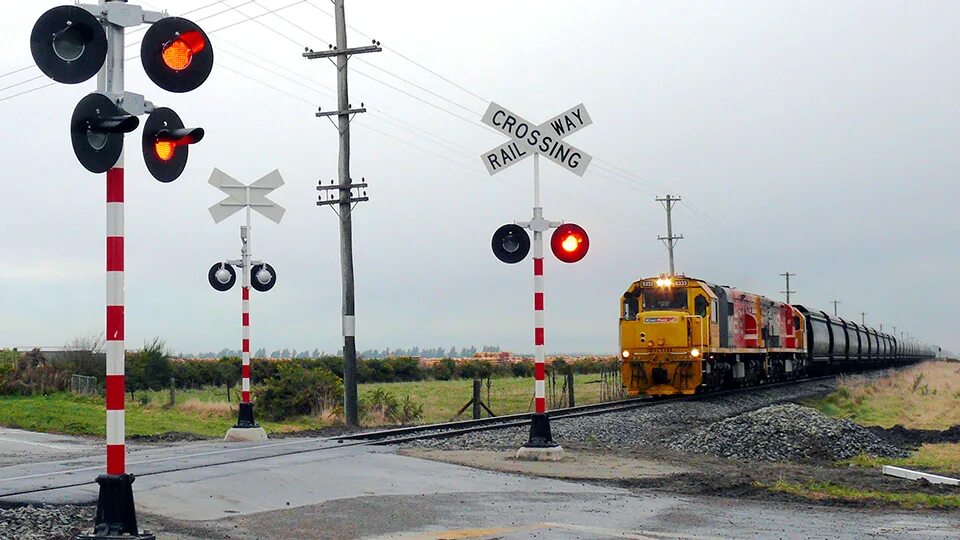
(242, 196)
(535, 139)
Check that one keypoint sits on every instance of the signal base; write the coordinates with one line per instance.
(116, 514)
(245, 434)
(540, 446)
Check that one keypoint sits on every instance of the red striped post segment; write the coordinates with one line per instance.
(245, 368)
(116, 453)
(539, 359)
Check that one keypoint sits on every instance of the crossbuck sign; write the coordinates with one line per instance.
(241, 195)
(544, 139)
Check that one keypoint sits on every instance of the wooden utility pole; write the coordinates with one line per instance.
(670, 240)
(788, 291)
(345, 201)
(835, 303)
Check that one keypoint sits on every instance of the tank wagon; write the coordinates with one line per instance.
(681, 335)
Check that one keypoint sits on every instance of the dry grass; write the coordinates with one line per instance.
(206, 409)
(925, 396)
(942, 458)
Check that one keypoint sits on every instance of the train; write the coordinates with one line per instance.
(681, 335)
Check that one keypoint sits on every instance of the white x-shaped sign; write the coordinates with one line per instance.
(240, 195)
(544, 139)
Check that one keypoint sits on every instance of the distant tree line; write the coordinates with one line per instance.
(437, 352)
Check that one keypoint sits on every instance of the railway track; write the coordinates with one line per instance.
(34, 479)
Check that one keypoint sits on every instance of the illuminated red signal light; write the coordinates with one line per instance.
(166, 144)
(569, 242)
(178, 54)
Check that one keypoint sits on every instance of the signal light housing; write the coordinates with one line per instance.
(569, 242)
(166, 144)
(176, 54)
(510, 243)
(68, 44)
(222, 276)
(263, 277)
(96, 131)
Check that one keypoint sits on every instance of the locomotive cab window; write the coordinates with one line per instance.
(700, 306)
(714, 317)
(665, 298)
(630, 307)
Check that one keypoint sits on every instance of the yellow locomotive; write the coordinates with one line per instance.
(680, 335)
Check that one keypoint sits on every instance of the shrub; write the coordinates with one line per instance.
(30, 374)
(382, 407)
(444, 370)
(523, 368)
(295, 390)
(149, 368)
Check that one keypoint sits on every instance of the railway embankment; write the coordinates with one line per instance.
(808, 442)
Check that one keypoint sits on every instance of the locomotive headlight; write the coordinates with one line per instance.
(664, 282)
(626, 354)
(694, 352)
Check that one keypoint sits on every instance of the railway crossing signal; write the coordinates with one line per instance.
(97, 128)
(256, 274)
(71, 44)
(166, 144)
(511, 243)
(176, 54)
(569, 242)
(68, 44)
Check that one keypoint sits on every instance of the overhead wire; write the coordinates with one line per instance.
(403, 56)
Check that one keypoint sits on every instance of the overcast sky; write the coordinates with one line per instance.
(820, 138)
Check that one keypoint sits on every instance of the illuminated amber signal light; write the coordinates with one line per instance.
(569, 242)
(165, 149)
(178, 53)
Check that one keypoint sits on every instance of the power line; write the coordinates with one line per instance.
(407, 58)
(374, 66)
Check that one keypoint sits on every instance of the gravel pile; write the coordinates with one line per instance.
(633, 428)
(786, 432)
(44, 522)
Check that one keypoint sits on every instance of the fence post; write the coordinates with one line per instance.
(173, 391)
(571, 401)
(476, 399)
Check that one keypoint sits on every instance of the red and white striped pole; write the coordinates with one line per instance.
(116, 454)
(110, 81)
(245, 418)
(540, 436)
(116, 514)
(245, 368)
(539, 364)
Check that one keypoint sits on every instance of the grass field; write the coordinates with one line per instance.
(924, 396)
(206, 412)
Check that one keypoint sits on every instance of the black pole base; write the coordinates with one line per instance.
(245, 419)
(540, 436)
(116, 516)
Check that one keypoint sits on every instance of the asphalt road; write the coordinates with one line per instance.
(362, 492)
